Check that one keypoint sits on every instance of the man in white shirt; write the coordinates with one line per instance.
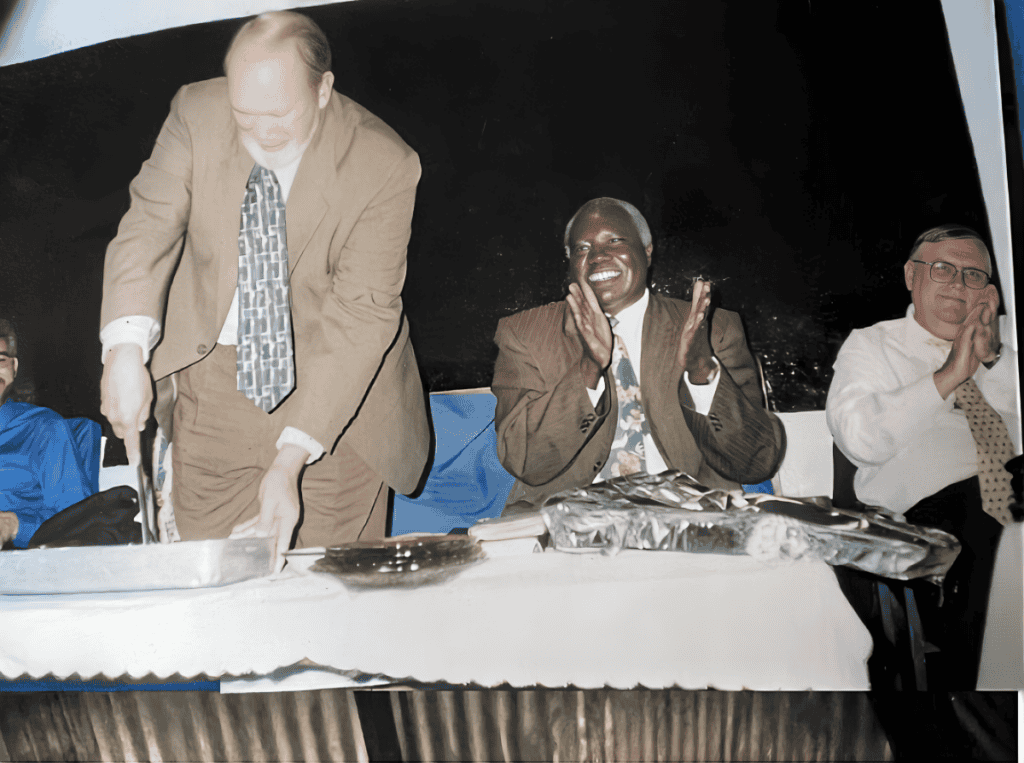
(894, 413)
(570, 411)
(262, 262)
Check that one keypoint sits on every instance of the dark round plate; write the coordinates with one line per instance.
(402, 561)
(384, 577)
(404, 552)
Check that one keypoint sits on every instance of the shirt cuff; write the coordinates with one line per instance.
(704, 394)
(133, 329)
(595, 394)
(293, 436)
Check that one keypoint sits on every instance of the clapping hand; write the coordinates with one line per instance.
(694, 351)
(587, 320)
(977, 341)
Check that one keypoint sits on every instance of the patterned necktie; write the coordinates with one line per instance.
(266, 369)
(627, 453)
(994, 450)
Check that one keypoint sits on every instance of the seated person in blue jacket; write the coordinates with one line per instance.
(41, 470)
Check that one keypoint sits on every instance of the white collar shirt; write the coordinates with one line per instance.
(888, 418)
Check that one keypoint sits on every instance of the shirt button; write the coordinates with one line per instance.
(201, 349)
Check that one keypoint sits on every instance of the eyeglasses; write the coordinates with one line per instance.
(943, 272)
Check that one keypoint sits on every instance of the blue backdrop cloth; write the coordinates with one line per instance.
(466, 482)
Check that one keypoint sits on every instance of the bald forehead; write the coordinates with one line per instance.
(958, 251)
(258, 46)
(610, 213)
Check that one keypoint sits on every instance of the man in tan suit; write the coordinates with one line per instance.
(270, 162)
(691, 401)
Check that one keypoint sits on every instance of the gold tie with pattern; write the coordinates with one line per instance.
(994, 450)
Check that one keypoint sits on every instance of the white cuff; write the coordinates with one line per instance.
(293, 436)
(133, 329)
(595, 394)
(704, 394)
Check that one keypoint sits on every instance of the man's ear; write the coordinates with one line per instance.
(649, 249)
(323, 93)
(15, 367)
(908, 274)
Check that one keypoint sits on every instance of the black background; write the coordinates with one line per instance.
(789, 151)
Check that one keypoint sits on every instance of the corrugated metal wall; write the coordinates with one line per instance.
(637, 726)
(181, 726)
(524, 725)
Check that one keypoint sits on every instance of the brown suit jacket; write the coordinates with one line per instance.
(551, 438)
(349, 213)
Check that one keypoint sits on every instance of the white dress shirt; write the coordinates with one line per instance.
(888, 418)
(145, 332)
(630, 328)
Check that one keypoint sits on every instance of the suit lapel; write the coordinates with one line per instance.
(660, 382)
(658, 377)
(306, 203)
(231, 181)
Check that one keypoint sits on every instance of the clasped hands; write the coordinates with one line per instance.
(587, 320)
(126, 394)
(976, 342)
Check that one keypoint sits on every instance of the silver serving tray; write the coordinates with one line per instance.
(148, 567)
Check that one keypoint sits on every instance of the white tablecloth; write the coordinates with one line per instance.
(640, 618)
(1002, 653)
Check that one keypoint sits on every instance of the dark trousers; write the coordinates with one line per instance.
(957, 625)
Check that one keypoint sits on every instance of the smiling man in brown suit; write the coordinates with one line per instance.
(269, 191)
(695, 404)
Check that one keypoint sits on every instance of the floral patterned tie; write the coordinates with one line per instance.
(994, 450)
(627, 453)
(266, 368)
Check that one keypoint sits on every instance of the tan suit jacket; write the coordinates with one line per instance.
(349, 213)
(551, 438)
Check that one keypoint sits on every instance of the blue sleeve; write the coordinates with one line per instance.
(63, 476)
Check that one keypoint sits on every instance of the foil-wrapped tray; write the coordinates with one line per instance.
(672, 511)
(149, 567)
(404, 561)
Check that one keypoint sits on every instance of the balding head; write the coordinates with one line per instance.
(269, 76)
(953, 232)
(283, 28)
(608, 204)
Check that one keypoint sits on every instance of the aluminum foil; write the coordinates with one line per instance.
(673, 512)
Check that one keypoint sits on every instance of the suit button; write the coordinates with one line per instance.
(597, 466)
(201, 349)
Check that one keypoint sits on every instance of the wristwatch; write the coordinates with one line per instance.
(989, 363)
